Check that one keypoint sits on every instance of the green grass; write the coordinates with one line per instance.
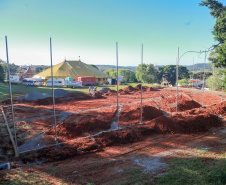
(200, 168)
(19, 90)
(134, 176)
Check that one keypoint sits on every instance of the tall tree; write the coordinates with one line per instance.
(39, 69)
(169, 73)
(218, 11)
(149, 73)
(129, 76)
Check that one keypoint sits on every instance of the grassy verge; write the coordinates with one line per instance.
(195, 166)
(19, 90)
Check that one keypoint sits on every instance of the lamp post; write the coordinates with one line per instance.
(178, 60)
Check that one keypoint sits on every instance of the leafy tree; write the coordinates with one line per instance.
(13, 68)
(218, 11)
(129, 76)
(111, 72)
(183, 82)
(39, 69)
(199, 75)
(149, 73)
(169, 72)
(217, 83)
(2, 73)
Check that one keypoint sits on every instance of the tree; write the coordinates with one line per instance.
(217, 83)
(183, 82)
(169, 73)
(38, 69)
(149, 73)
(2, 73)
(111, 72)
(13, 68)
(218, 11)
(129, 76)
(2, 70)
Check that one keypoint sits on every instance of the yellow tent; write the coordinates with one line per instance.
(72, 69)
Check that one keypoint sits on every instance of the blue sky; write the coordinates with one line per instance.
(90, 29)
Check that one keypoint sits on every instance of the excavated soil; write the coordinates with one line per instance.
(185, 124)
(168, 104)
(130, 114)
(85, 123)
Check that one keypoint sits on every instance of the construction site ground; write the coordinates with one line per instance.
(93, 148)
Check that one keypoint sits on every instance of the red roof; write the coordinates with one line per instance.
(29, 70)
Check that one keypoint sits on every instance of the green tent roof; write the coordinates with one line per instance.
(71, 69)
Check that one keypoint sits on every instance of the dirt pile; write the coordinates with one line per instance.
(185, 124)
(118, 137)
(86, 123)
(97, 95)
(184, 103)
(129, 89)
(110, 93)
(150, 89)
(138, 87)
(131, 113)
(219, 109)
(46, 101)
(83, 146)
(124, 93)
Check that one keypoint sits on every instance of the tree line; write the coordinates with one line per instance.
(151, 74)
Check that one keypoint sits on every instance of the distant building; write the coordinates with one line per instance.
(74, 69)
(28, 73)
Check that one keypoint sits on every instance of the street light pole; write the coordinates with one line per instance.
(204, 79)
(177, 77)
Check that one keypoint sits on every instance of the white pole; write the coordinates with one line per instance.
(177, 77)
(11, 98)
(204, 79)
(117, 82)
(193, 73)
(141, 84)
(222, 88)
(54, 111)
(213, 78)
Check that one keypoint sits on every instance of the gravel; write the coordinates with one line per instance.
(104, 90)
(34, 96)
(60, 92)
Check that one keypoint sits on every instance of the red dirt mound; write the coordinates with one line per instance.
(97, 95)
(118, 137)
(131, 113)
(124, 92)
(110, 93)
(46, 101)
(77, 124)
(138, 87)
(219, 109)
(185, 124)
(184, 103)
(129, 89)
(150, 89)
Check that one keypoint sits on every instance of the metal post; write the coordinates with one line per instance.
(193, 73)
(141, 84)
(117, 82)
(11, 98)
(54, 111)
(222, 88)
(177, 77)
(204, 79)
(213, 78)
